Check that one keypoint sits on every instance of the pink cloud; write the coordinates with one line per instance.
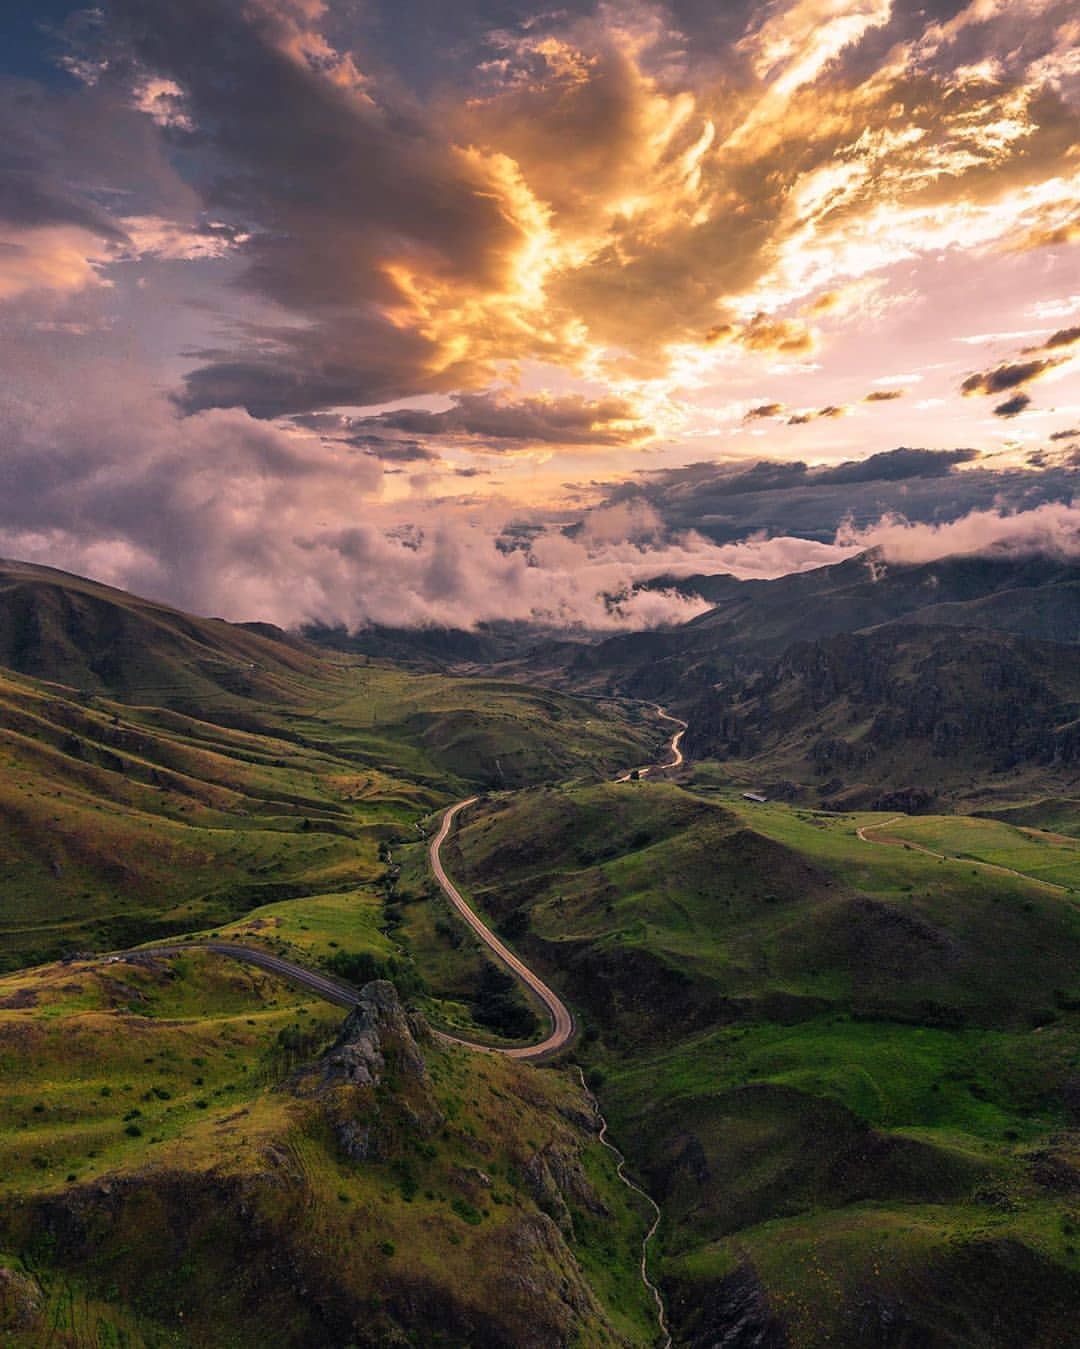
(1052, 528)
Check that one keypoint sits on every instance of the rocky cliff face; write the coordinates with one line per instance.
(856, 703)
(21, 1304)
(373, 1083)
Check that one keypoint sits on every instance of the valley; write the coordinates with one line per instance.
(834, 1031)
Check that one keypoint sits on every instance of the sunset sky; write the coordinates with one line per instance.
(427, 312)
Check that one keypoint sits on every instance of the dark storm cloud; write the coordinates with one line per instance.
(728, 502)
(394, 451)
(72, 157)
(1011, 375)
(565, 420)
(1064, 337)
(334, 180)
(896, 465)
(1012, 407)
(341, 428)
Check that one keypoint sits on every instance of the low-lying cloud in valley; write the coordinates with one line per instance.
(222, 513)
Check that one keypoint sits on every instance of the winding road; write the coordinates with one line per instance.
(328, 989)
(677, 758)
(563, 1026)
(562, 1020)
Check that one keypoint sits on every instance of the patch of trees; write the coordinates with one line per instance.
(498, 1005)
(361, 967)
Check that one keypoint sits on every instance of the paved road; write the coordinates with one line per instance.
(562, 1019)
(328, 989)
(673, 745)
(562, 1027)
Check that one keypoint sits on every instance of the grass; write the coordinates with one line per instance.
(136, 822)
(846, 1069)
(1037, 854)
(190, 777)
(1058, 815)
(313, 928)
(791, 1026)
(177, 1111)
(88, 1051)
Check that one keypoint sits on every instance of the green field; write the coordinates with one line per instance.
(126, 823)
(799, 1035)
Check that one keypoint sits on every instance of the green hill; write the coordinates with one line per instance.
(97, 639)
(224, 768)
(840, 1047)
(846, 1070)
(191, 1154)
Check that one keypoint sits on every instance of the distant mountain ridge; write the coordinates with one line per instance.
(754, 622)
(902, 706)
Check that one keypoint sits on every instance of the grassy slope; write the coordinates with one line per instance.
(1052, 815)
(228, 785)
(142, 1101)
(813, 1041)
(123, 822)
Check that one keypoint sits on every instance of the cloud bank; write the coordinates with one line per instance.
(1051, 530)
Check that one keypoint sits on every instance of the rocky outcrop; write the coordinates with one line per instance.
(557, 1181)
(378, 1047)
(728, 1313)
(20, 1303)
(873, 703)
(376, 1031)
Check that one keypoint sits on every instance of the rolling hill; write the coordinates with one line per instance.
(845, 1066)
(163, 772)
(94, 638)
(839, 1047)
(191, 1154)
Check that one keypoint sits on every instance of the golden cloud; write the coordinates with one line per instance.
(599, 199)
(57, 258)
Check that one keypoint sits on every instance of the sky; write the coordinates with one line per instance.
(420, 313)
